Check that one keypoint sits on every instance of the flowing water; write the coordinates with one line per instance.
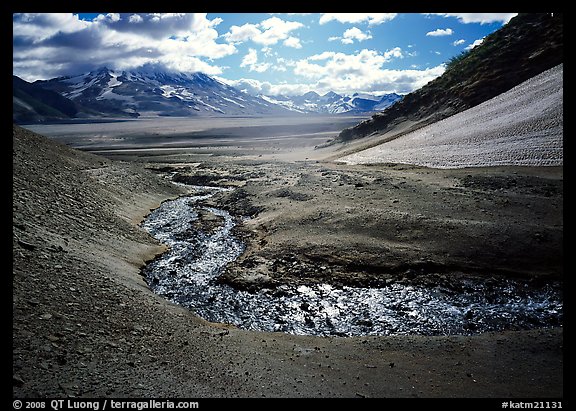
(187, 273)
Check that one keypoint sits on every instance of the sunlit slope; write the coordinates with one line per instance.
(527, 45)
(523, 126)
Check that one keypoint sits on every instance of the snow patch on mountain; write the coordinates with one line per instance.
(154, 91)
(151, 90)
(333, 103)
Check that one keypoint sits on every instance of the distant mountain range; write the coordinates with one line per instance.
(151, 91)
(333, 103)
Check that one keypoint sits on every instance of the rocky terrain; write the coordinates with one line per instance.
(86, 324)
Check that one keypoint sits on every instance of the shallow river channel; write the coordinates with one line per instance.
(186, 275)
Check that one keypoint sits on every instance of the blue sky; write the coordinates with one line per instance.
(257, 52)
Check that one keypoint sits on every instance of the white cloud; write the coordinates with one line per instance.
(250, 60)
(135, 18)
(440, 32)
(482, 18)
(276, 29)
(371, 18)
(458, 42)
(257, 87)
(326, 72)
(37, 27)
(48, 45)
(309, 70)
(250, 86)
(362, 71)
(474, 44)
(187, 64)
(322, 56)
(293, 42)
(110, 17)
(395, 52)
(267, 32)
(238, 34)
(354, 34)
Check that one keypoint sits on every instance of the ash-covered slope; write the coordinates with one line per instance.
(526, 46)
(523, 126)
(75, 280)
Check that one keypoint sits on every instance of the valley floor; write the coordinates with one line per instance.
(85, 323)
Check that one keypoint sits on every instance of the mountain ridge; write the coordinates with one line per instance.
(527, 45)
(31, 103)
(152, 91)
(334, 103)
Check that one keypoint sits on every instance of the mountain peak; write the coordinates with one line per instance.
(153, 90)
(100, 71)
(333, 103)
(331, 94)
(311, 94)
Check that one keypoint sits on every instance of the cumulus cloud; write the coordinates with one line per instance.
(362, 71)
(257, 87)
(250, 86)
(239, 34)
(458, 42)
(380, 82)
(482, 18)
(250, 60)
(293, 42)
(371, 18)
(474, 44)
(36, 27)
(354, 34)
(267, 32)
(440, 32)
(135, 18)
(48, 45)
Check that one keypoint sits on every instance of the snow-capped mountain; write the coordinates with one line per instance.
(334, 103)
(152, 91)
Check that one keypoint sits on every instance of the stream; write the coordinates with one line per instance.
(186, 274)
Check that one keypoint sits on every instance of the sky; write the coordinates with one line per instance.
(260, 53)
